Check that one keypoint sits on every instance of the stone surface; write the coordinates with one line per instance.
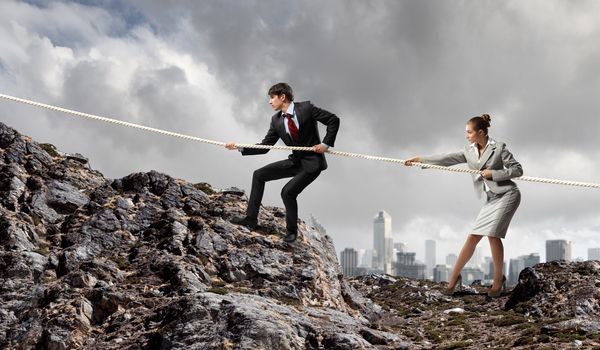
(149, 261)
(152, 262)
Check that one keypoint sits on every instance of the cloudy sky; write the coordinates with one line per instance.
(403, 76)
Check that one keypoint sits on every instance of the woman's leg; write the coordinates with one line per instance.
(465, 255)
(498, 259)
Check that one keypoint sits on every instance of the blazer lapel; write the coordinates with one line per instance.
(300, 115)
(486, 155)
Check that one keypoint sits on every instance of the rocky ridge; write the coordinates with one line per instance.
(149, 261)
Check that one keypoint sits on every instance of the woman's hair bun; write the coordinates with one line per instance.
(487, 119)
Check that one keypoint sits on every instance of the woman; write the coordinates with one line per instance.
(497, 167)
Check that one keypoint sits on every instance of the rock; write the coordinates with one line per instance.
(65, 197)
(41, 209)
(50, 149)
(526, 289)
(11, 189)
(83, 280)
(125, 203)
(105, 220)
(36, 262)
(137, 182)
(16, 236)
(576, 325)
(456, 310)
(233, 191)
(40, 159)
(77, 157)
(85, 312)
(149, 261)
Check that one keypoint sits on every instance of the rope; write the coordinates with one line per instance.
(288, 148)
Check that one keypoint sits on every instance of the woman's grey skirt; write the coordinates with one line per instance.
(498, 210)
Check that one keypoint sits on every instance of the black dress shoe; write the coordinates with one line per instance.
(291, 237)
(245, 221)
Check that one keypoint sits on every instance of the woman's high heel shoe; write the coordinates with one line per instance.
(498, 293)
(450, 291)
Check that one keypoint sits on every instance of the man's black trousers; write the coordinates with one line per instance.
(289, 192)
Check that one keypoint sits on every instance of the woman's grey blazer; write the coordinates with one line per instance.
(495, 157)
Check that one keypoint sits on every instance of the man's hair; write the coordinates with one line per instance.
(282, 89)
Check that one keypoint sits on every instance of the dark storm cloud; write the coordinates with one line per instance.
(413, 66)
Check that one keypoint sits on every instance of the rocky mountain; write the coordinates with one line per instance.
(152, 262)
(149, 261)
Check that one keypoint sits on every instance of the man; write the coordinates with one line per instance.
(296, 125)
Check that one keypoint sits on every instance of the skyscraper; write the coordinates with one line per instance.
(367, 258)
(487, 262)
(451, 259)
(407, 266)
(382, 242)
(441, 273)
(593, 253)
(399, 247)
(558, 249)
(515, 267)
(349, 261)
(476, 259)
(531, 259)
(430, 260)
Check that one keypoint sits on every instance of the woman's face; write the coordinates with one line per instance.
(473, 135)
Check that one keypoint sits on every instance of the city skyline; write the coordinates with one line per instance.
(479, 269)
(577, 251)
(443, 258)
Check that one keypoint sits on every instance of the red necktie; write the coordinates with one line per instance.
(292, 127)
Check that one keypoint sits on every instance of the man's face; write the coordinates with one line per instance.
(276, 101)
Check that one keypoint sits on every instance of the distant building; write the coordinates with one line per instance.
(471, 274)
(514, 268)
(451, 259)
(407, 266)
(382, 242)
(349, 262)
(487, 263)
(531, 259)
(366, 258)
(430, 260)
(389, 256)
(593, 253)
(490, 275)
(400, 247)
(558, 249)
(441, 273)
(476, 259)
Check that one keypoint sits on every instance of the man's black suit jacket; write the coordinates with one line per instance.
(308, 135)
